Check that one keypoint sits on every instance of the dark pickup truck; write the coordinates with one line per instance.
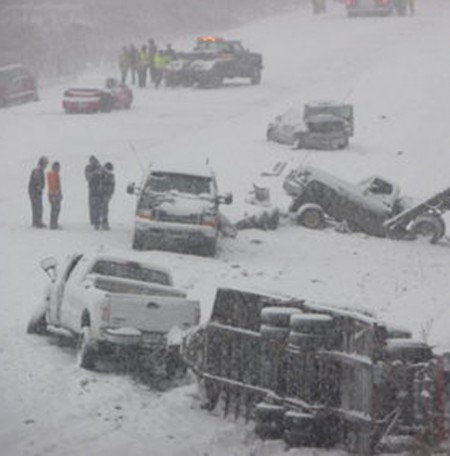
(213, 60)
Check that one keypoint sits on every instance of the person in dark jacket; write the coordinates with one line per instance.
(92, 172)
(151, 51)
(36, 186)
(54, 194)
(108, 184)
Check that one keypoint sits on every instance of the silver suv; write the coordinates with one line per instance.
(178, 209)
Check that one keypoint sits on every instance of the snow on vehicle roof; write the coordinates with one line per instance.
(320, 103)
(182, 167)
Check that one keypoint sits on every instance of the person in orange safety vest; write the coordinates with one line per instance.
(54, 194)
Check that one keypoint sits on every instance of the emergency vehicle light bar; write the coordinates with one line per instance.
(210, 39)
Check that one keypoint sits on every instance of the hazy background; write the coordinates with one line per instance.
(59, 37)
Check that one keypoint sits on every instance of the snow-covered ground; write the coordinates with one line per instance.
(394, 70)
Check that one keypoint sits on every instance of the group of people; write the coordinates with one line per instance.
(36, 186)
(101, 186)
(148, 60)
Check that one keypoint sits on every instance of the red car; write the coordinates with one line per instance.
(17, 85)
(92, 98)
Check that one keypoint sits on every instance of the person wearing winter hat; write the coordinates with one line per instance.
(36, 186)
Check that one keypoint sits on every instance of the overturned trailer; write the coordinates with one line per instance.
(315, 375)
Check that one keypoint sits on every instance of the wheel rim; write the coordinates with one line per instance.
(311, 219)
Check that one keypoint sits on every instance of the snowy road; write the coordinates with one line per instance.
(394, 70)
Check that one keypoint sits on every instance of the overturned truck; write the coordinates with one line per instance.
(373, 206)
(317, 376)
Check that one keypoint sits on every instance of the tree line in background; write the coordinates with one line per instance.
(58, 37)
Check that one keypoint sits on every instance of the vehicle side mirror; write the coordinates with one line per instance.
(49, 266)
(132, 189)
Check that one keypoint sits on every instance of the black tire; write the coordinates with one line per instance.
(428, 226)
(255, 78)
(308, 342)
(37, 324)
(407, 350)
(86, 350)
(274, 333)
(299, 429)
(278, 316)
(311, 217)
(269, 134)
(311, 323)
(210, 248)
(274, 220)
(269, 420)
(138, 242)
(212, 81)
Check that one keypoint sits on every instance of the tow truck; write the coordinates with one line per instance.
(212, 60)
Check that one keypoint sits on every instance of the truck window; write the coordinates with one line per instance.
(183, 183)
(130, 270)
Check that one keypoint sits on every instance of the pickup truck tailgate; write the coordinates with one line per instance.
(153, 313)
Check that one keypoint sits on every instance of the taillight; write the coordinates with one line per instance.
(209, 220)
(145, 214)
(350, 2)
(384, 2)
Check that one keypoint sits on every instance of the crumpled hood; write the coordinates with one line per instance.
(185, 205)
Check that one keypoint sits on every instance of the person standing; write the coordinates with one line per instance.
(160, 63)
(124, 64)
(142, 67)
(133, 56)
(93, 168)
(151, 51)
(108, 184)
(36, 186)
(54, 194)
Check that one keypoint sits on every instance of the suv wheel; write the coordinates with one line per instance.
(255, 78)
(311, 216)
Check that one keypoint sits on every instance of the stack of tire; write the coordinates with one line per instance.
(309, 379)
(308, 333)
(274, 332)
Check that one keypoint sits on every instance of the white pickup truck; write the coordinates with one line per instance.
(115, 302)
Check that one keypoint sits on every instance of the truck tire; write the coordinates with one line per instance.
(212, 81)
(278, 316)
(407, 350)
(269, 420)
(428, 226)
(311, 323)
(86, 349)
(311, 216)
(269, 134)
(38, 324)
(138, 242)
(274, 333)
(209, 249)
(255, 78)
